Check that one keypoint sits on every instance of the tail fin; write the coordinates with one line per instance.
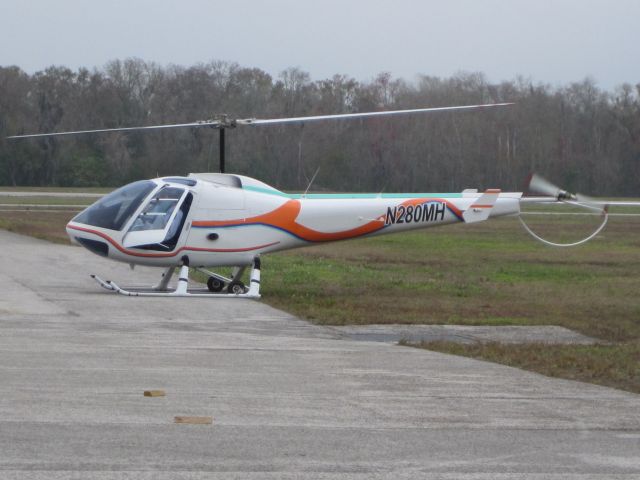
(481, 208)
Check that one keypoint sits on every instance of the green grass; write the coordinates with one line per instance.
(615, 366)
(50, 201)
(39, 224)
(484, 274)
(57, 189)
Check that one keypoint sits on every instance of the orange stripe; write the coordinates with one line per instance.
(284, 217)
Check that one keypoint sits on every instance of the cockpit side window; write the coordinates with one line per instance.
(175, 230)
(114, 210)
(178, 222)
(158, 211)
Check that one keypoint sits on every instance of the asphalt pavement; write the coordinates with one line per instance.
(288, 399)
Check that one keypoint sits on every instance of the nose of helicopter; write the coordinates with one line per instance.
(102, 223)
(88, 240)
(72, 234)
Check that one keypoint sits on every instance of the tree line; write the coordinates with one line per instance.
(581, 136)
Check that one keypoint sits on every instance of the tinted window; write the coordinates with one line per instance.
(115, 209)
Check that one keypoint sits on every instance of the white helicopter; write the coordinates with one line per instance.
(209, 220)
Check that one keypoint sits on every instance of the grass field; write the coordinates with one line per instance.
(50, 201)
(57, 189)
(616, 365)
(39, 224)
(491, 273)
(42, 196)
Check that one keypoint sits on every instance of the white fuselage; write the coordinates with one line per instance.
(219, 220)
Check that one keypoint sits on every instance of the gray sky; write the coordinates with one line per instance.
(549, 41)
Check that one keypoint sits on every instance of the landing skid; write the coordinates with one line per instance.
(182, 290)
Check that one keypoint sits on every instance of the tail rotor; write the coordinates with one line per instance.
(542, 186)
(555, 194)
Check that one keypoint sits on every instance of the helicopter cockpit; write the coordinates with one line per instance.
(160, 210)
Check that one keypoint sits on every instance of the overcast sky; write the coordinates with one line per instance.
(550, 41)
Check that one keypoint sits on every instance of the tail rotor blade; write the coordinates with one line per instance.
(542, 186)
(592, 203)
(586, 199)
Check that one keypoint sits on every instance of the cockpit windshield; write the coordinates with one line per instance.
(114, 210)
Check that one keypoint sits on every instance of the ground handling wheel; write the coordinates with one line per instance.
(236, 287)
(215, 284)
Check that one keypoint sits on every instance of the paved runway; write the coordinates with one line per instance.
(289, 400)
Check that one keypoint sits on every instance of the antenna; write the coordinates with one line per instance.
(312, 179)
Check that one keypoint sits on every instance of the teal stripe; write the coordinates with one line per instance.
(349, 195)
(270, 191)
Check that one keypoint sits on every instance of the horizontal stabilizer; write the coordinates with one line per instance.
(481, 208)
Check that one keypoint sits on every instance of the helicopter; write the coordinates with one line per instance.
(205, 221)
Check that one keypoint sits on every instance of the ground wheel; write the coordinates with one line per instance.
(236, 287)
(215, 284)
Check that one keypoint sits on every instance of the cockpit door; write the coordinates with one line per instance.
(160, 223)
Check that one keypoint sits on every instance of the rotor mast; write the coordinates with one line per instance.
(221, 139)
(221, 123)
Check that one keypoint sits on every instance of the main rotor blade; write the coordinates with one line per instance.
(204, 123)
(581, 198)
(231, 123)
(273, 121)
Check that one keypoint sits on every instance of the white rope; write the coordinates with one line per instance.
(553, 244)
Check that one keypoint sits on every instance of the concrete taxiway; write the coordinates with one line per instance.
(288, 399)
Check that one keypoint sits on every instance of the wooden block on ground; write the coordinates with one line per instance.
(154, 393)
(194, 420)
